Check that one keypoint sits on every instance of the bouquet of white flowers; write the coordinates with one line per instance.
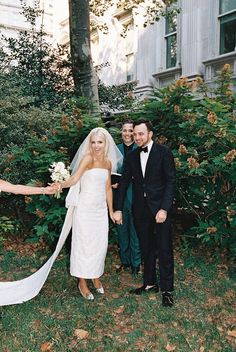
(59, 173)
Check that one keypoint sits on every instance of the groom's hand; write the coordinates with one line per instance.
(118, 217)
(161, 216)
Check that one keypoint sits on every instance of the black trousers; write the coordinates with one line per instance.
(155, 242)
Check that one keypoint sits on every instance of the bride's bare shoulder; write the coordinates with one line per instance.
(108, 164)
(87, 160)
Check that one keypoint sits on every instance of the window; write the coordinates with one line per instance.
(130, 67)
(227, 18)
(171, 40)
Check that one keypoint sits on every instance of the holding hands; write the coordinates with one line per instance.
(118, 217)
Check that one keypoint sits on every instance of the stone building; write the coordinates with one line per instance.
(12, 21)
(196, 42)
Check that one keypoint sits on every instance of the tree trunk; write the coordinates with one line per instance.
(85, 78)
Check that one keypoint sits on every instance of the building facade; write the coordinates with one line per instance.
(195, 43)
(12, 21)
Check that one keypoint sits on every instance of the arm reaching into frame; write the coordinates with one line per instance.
(25, 190)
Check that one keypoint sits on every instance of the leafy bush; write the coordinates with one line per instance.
(29, 164)
(42, 72)
(116, 97)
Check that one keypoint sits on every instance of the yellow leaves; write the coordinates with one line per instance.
(170, 348)
(46, 346)
(161, 139)
(176, 109)
(115, 295)
(226, 68)
(33, 270)
(230, 156)
(81, 334)
(231, 333)
(119, 310)
(212, 118)
(211, 229)
(177, 162)
(182, 149)
(39, 213)
(28, 199)
(182, 82)
(201, 133)
(10, 157)
(192, 163)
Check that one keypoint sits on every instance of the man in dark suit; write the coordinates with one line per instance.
(130, 253)
(151, 169)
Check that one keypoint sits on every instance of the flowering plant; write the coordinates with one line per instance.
(59, 173)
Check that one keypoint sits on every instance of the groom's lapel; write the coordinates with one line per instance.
(152, 159)
(138, 163)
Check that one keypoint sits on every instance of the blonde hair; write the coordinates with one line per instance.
(99, 133)
(112, 153)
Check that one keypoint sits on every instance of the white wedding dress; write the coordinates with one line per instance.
(90, 226)
(87, 215)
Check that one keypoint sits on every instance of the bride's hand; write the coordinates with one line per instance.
(56, 186)
(111, 213)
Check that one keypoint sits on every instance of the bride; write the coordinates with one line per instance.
(89, 197)
(90, 220)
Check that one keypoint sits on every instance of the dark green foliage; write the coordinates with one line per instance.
(28, 163)
(116, 97)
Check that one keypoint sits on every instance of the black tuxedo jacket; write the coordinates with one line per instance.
(158, 183)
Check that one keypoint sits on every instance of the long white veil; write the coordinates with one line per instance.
(15, 292)
(111, 152)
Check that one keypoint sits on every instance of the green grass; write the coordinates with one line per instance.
(203, 314)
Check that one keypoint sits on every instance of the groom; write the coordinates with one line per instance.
(151, 169)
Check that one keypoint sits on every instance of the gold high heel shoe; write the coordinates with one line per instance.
(89, 296)
(100, 289)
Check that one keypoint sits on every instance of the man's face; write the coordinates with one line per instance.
(141, 135)
(127, 133)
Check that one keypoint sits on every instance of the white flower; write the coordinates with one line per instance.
(59, 173)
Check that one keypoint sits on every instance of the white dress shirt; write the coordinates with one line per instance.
(144, 157)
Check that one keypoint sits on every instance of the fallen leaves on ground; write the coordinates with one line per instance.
(46, 346)
(119, 310)
(170, 348)
(23, 248)
(81, 334)
(231, 333)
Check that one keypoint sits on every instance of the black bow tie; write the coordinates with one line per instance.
(144, 149)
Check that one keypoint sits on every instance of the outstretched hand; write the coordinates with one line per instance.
(111, 213)
(57, 189)
(49, 190)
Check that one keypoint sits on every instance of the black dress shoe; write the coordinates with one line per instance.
(167, 299)
(122, 268)
(144, 289)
